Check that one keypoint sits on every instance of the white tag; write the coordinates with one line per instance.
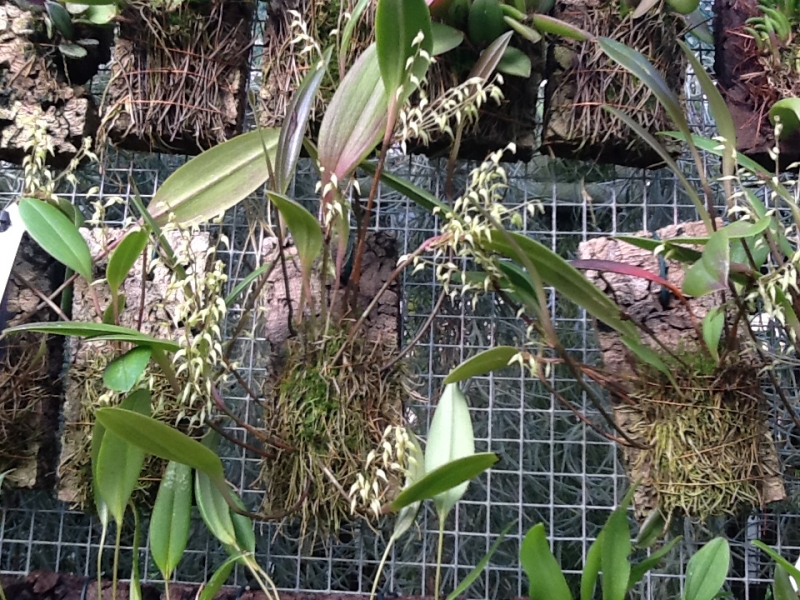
(9, 245)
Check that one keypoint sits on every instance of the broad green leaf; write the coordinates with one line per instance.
(355, 120)
(487, 63)
(707, 570)
(213, 509)
(445, 38)
(486, 22)
(94, 2)
(787, 111)
(591, 569)
(171, 517)
(450, 437)
(414, 193)
(651, 530)
(71, 50)
(710, 273)
(444, 478)
(98, 433)
(243, 528)
(713, 324)
(102, 14)
(782, 587)
(290, 140)
(215, 180)
(306, 232)
(515, 62)
(161, 440)
(57, 235)
(482, 363)
(566, 279)
(547, 24)
(218, 579)
(615, 548)
(789, 567)
(60, 18)
(544, 574)
(638, 571)
(119, 463)
(124, 257)
(398, 23)
(97, 331)
(123, 372)
(476, 572)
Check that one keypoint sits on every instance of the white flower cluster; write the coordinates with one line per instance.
(392, 457)
(307, 43)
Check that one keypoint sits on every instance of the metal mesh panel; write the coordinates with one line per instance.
(552, 470)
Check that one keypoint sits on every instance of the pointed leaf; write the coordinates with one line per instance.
(707, 570)
(476, 572)
(356, 118)
(347, 34)
(515, 62)
(652, 529)
(213, 509)
(524, 31)
(487, 63)
(414, 474)
(161, 440)
(218, 579)
(60, 18)
(546, 580)
(397, 25)
(119, 463)
(789, 567)
(57, 235)
(124, 257)
(170, 519)
(446, 477)
(416, 194)
(482, 363)
(305, 229)
(290, 140)
(445, 38)
(782, 589)
(215, 180)
(713, 324)
(787, 111)
(698, 26)
(591, 569)
(450, 437)
(560, 28)
(710, 273)
(123, 372)
(96, 331)
(615, 549)
(638, 571)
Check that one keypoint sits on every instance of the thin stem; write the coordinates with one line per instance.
(103, 535)
(438, 581)
(114, 579)
(381, 565)
(399, 356)
(166, 366)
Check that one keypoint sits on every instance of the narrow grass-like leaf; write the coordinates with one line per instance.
(215, 180)
(247, 281)
(123, 372)
(790, 568)
(713, 324)
(544, 574)
(444, 478)
(445, 38)
(713, 147)
(213, 509)
(135, 592)
(450, 437)
(707, 570)
(421, 197)
(482, 363)
(119, 463)
(591, 569)
(290, 139)
(218, 579)
(673, 251)
(347, 33)
(306, 231)
(615, 549)
(639, 570)
(161, 440)
(124, 257)
(547, 24)
(171, 517)
(523, 30)
(57, 235)
(476, 572)
(782, 587)
(397, 25)
(96, 331)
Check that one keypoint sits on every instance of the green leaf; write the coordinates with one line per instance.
(397, 24)
(559, 28)
(698, 27)
(486, 22)
(135, 592)
(414, 474)
(591, 569)
(305, 229)
(355, 120)
(515, 62)
(475, 573)
(60, 18)
(674, 251)
(290, 140)
(782, 588)
(790, 568)
(102, 13)
(713, 147)
(98, 433)
(347, 34)
(414, 193)
(787, 111)
(482, 363)
(124, 257)
(57, 235)
(247, 281)
(526, 32)
(109, 315)
(712, 330)
(486, 64)
(450, 437)
(243, 528)
(546, 580)
(161, 440)
(213, 509)
(615, 548)
(71, 50)
(218, 579)
(97, 331)
(119, 463)
(638, 571)
(445, 38)
(710, 273)
(444, 478)
(123, 372)
(171, 517)
(566, 279)
(707, 570)
(215, 180)
(651, 530)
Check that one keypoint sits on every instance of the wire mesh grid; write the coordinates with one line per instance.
(552, 469)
